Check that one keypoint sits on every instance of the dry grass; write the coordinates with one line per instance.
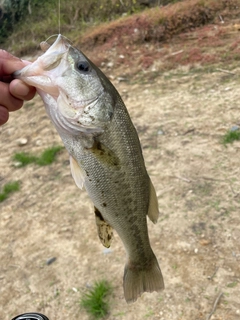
(191, 33)
(160, 24)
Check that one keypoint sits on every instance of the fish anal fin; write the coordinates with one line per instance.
(105, 231)
(153, 211)
(77, 172)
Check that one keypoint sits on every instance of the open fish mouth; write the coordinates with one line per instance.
(47, 62)
(64, 77)
(44, 71)
(58, 38)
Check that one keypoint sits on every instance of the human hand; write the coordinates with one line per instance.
(12, 91)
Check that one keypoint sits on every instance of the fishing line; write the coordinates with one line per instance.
(59, 13)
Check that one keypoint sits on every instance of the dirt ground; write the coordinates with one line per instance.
(181, 117)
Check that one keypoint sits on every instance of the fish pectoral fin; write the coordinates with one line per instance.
(77, 172)
(105, 231)
(104, 155)
(153, 211)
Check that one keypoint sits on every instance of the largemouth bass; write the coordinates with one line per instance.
(105, 154)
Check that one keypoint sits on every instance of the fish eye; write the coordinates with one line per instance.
(83, 66)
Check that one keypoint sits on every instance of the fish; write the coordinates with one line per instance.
(105, 155)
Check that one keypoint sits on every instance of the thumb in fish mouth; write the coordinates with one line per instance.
(31, 316)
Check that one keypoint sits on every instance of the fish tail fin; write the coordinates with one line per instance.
(136, 281)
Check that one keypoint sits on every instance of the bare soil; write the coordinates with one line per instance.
(181, 117)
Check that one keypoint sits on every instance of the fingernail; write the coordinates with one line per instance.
(26, 62)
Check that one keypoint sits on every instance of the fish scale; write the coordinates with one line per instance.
(105, 155)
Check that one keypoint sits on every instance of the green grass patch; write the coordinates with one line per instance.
(231, 136)
(9, 188)
(46, 158)
(232, 284)
(24, 158)
(95, 300)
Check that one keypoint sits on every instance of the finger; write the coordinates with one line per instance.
(10, 63)
(7, 100)
(4, 115)
(6, 78)
(21, 91)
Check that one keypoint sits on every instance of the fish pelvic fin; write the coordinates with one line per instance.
(105, 231)
(78, 173)
(136, 282)
(153, 211)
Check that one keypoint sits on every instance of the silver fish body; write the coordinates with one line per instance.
(105, 155)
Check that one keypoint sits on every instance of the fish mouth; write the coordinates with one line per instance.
(49, 73)
(57, 40)
(47, 62)
(38, 73)
(43, 72)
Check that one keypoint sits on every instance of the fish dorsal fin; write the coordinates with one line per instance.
(77, 173)
(105, 231)
(153, 211)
